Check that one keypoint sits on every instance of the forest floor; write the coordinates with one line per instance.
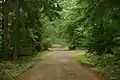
(60, 65)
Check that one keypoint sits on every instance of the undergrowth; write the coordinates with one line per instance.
(10, 70)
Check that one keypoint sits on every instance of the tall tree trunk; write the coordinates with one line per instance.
(5, 30)
(2, 24)
(17, 32)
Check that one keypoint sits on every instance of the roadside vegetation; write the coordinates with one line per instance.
(106, 65)
(28, 27)
(94, 25)
(26, 31)
(10, 70)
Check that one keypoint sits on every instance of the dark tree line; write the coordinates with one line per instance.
(22, 25)
(94, 25)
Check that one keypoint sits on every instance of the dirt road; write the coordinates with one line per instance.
(59, 66)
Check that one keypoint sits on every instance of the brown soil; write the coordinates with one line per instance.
(59, 66)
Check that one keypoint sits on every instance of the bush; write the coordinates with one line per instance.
(47, 44)
(108, 65)
(72, 47)
(103, 39)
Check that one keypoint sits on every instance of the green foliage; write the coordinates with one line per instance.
(34, 34)
(95, 25)
(90, 24)
(108, 65)
(103, 39)
(47, 44)
(72, 47)
(10, 70)
(81, 57)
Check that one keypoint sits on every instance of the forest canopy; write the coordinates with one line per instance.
(31, 26)
(22, 26)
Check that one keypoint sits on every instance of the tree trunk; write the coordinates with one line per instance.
(17, 32)
(2, 9)
(5, 30)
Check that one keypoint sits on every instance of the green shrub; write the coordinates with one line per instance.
(72, 47)
(47, 44)
(108, 65)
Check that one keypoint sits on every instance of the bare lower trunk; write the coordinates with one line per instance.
(5, 30)
(2, 10)
(16, 32)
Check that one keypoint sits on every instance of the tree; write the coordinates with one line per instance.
(23, 25)
(17, 32)
(5, 29)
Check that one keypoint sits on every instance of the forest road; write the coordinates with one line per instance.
(61, 65)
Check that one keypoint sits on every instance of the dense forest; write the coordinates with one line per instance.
(31, 26)
(94, 25)
(22, 26)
